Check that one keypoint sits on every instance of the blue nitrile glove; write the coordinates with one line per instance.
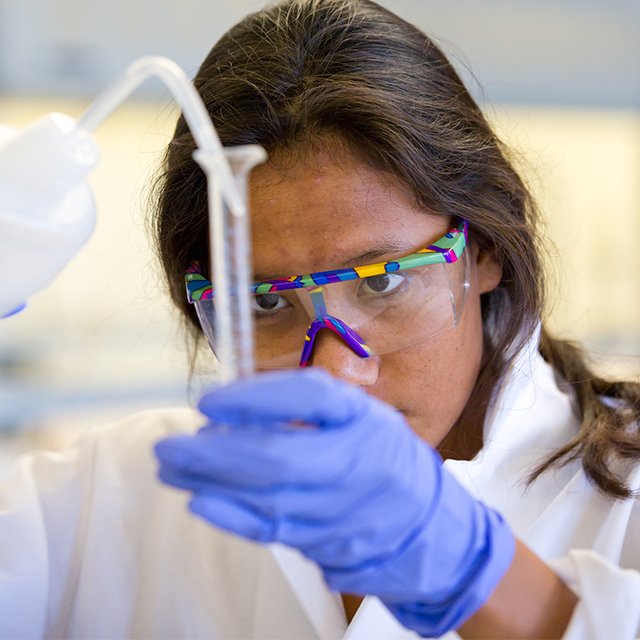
(317, 464)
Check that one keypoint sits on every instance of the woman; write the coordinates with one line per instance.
(377, 156)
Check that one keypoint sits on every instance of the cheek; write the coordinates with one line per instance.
(432, 381)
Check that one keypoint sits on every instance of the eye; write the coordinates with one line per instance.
(383, 284)
(265, 303)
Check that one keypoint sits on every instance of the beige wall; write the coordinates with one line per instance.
(584, 166)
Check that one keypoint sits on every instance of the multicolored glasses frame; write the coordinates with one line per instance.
(446, 249)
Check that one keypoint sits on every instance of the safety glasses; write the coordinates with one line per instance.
(374, 309)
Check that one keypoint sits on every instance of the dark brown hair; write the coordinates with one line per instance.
(303, 71)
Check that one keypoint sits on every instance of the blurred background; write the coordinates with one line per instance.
(560, 80)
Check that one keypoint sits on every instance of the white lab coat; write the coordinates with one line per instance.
(92, 546)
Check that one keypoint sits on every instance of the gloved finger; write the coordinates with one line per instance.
(232, 516)
(323, 542)
(182, 479)
(237, 517)
(317, 505)
(337, 520)
(310, 396)
(262, 458)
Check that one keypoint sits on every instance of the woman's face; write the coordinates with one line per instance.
(317, 213)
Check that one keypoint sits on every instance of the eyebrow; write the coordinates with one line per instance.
(380, 254)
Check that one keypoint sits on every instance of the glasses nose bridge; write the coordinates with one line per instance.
(329, 323)
(322, 320)
(318, 301)
(334, 299)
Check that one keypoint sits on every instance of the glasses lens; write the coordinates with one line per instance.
(390, 311)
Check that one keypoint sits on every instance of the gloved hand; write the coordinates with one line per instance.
(317, 464)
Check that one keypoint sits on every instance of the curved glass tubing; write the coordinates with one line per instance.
(226, 172)
(432, 302)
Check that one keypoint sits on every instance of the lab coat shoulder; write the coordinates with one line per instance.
(591, 540)
(606, 577)
(94, 546)
(48, 507)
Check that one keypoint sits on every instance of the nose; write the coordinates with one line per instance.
(337, 358)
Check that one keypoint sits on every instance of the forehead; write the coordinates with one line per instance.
(322, 211)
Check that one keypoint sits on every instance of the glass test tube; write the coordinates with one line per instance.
(231, 267)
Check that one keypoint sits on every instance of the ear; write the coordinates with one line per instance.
(488, 271)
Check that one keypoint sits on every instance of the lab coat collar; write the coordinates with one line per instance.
(324, 608)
